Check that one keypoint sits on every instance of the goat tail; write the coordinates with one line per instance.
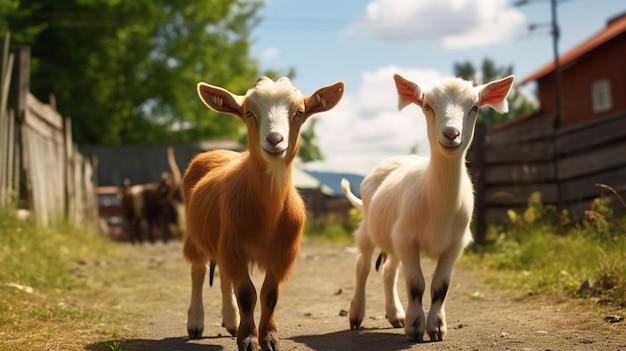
(211, 272)
(382, 257)
(355, 201)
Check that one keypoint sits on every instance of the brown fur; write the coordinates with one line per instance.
(242, 208)
(154, 203)
(242, 190)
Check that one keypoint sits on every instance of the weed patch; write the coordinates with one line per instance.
(45, 297)
(584, 259)
(330, 230)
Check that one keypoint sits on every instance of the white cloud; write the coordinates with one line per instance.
(366, 127)
(498, 28)
(270, 53)
(458, 24)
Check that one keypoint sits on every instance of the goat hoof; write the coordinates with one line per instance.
(231, 331)
(437, 334)
(438, 331)
(195, 333)
(270, 343)
(414, 333)
(417, 337)
(249, 343)
(355, 324)
(397, 323)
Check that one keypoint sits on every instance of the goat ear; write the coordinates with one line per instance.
(408, 92)
(494, 94)
(219, 99)
(323, 99)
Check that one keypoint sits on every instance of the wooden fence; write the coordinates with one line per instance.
(40, 168)
(140, 164)
(511, 162)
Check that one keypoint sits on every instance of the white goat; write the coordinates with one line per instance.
(416, 206)
(242, 208)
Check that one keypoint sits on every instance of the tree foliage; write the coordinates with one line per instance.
(126, 71)
(309, 150)
(519, 105)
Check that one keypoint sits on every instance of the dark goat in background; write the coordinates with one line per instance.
(153, 205)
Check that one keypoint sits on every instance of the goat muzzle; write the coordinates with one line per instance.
(274, 138)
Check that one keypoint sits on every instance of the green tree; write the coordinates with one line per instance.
(7, 7)
(126, 71)
(519, 105)
(309, 149)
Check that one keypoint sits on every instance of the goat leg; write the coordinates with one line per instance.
(230, 312)
(414, 326)
(363, 266)
(247, 334)
(195, 315)
(393, 307)
(267, 325)
(436, 323)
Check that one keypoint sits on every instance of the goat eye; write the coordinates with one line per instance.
(249, 114)
(299, 113)
(427, 107)
(475, 109)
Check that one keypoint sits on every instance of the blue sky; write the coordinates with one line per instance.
(364, 43)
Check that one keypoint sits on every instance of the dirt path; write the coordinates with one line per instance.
(321, 286)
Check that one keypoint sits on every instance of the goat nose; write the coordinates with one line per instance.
(274, 138)
(451, 133)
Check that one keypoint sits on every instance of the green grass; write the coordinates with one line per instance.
(331, 230)
(45, 293)
(542, 255)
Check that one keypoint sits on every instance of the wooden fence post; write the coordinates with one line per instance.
(20, 81)
(18, 88)
(478, 169)
(6, 125)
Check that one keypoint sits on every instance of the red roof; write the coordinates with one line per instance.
(615, 27)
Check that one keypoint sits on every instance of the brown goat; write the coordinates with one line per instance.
(242, 208)
(153, 203)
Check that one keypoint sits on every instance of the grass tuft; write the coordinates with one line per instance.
(330, 230)
(543, 255)
(43, 285)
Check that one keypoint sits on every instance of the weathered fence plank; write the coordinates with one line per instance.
(520, 159)
(6, 127)
(532, 129)
(508, 153)
(592, 161)
(585, 187)
(527, 173)
(592, 133)
(36, 149)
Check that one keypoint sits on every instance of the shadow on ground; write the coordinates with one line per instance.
(357, 340)
(346, 340)
(167, 344)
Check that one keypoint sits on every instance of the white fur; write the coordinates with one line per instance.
(273, 107)
(418, 206)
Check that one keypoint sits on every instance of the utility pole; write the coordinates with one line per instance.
(555, 32)
(557, 65)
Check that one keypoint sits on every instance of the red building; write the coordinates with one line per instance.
(593, 76)
(566, 159)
